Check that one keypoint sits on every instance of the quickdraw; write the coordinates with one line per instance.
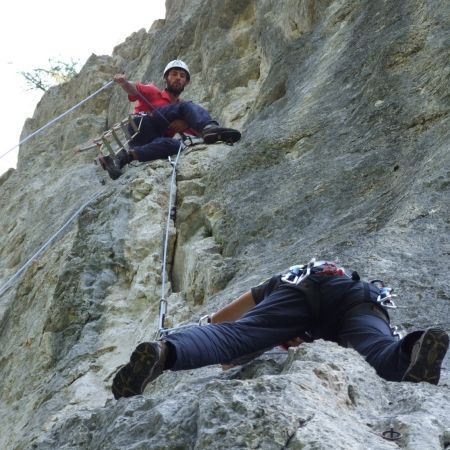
(296, 274)
(385, 296)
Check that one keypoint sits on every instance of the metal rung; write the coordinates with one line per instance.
(108, 146)
(117, 137)
(125, 130)
(88, 147)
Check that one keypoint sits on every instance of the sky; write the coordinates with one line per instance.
(32, 32)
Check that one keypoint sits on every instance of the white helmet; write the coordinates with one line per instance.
(177, 64)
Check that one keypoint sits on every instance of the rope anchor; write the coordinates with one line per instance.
(391, 434)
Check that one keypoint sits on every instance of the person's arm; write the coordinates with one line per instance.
(127, 86)
(236, 309)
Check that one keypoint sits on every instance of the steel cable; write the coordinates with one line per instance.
(51, 122)
(9, 283)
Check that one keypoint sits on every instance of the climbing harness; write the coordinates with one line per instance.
(296, 274)
(9, 283)
(51, 122)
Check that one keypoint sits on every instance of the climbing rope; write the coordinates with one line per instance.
(73, 108)
(163, 301)
(10, 282)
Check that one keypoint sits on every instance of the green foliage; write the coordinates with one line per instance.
(58, 72)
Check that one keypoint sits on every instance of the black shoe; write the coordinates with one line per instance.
(146, 364)
(213, 134)
(114, 165)
(426, 357)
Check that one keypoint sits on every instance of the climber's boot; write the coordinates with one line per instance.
(426, 357)
(212, 133)
(114, 164)
(146, 364)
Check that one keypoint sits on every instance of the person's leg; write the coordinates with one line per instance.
(372, 337)
(280, 317)
(159, 148)
(394, 359)
(147, 131)
(198, 119)
(196, 116)
(283, 315)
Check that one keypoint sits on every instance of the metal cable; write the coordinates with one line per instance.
(58, 118)
(163, 301)
(9, 283)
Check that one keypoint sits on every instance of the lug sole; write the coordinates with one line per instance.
(426, 362)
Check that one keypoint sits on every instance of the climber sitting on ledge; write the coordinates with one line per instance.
(317, 300)
(164, 114)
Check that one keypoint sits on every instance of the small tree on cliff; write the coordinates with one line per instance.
(58, 72)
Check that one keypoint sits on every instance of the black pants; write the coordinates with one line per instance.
(284, 315)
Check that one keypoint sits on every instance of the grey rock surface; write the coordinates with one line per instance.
(344, 109)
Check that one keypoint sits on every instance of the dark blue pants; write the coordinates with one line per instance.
(282, 316)
(159, 148)
(150, 144)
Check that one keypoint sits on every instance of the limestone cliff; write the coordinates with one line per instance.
(344, 109)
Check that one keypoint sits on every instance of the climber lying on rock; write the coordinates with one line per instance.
(162, 114)
(308, 302)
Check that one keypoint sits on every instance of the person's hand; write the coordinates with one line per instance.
(120, 78)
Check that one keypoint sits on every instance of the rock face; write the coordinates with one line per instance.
(344, 108)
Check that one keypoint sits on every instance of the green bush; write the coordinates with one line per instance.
(58, 72)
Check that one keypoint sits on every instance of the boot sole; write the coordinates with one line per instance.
(143, 367)
(227, 136)
(426, 365)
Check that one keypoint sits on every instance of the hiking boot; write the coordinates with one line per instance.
(146, 364)
(213, 133)
(114, 165)
(426, 357)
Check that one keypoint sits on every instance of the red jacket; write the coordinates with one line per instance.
(154, 96)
